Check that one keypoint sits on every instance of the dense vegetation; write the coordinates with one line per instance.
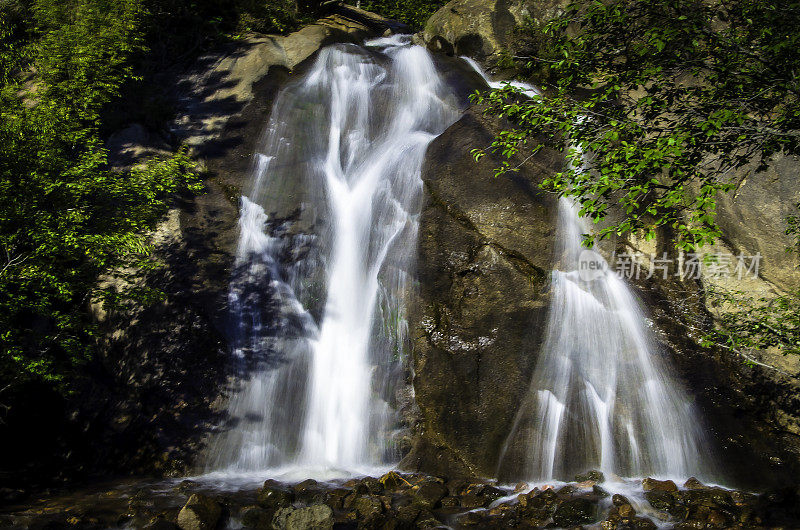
(661, 105)
(413, 12)
(70, 74)
(668, 102)
(65, 215)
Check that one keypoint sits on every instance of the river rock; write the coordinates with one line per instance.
(693, 484)
(255, 517)
(314, 517)
(660, 500)
(651, 484)
(450, 503)
(199, 513)
(429, 494)
(272, 496)
(162, 524)
(619, 500)
(575, 512)
(394, 481)
(591, 476)
(368, 506)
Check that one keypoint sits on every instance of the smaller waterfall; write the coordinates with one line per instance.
(600, 397)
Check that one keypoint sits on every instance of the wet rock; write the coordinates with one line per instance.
(185, 486)
(575, 512)
(314, 517)
(626, 511)
(651, 484)
(256, 517)
(373, 485)
(660, 500)
(458, 486)
(591, 476)
(566, 490)
(427, 520)
(482, 293)
(408, 513)
(273, 496)
(450, 503)
(619, 500)
(693, 484)
(335, 498)
(364, 485)
(393, 523)
(304, 487)
(429, 494)
(623, 517)
(741, 498)
(470, 501)
(471, 520)
(600, 492)
(520, 487)
(368, 506)
(479, 495)
(199, 513)
(709, 497)
(394, 481)
(281, 515)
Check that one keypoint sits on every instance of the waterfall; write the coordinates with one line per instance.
(601, 396)
(325, 262)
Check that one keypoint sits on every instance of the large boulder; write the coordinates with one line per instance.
(484, 259)
(483, 28)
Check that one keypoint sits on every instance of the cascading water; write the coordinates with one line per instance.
(328, 235)
(600, 397)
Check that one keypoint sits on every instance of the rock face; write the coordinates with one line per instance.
(485, 254)
(483, 28)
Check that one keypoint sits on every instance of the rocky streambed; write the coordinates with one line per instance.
(398, 500)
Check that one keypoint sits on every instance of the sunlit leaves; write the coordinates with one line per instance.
(65, 216)
(657, 105)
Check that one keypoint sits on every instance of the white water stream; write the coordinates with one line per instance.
(345, 142)
(601, 396)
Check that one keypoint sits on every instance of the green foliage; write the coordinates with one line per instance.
(412, 12)
(65, 216)
(660, 102)
(748, 325)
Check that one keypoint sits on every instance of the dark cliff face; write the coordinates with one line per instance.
(484, 258)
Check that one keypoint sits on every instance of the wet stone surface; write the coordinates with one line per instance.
(399, 501)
